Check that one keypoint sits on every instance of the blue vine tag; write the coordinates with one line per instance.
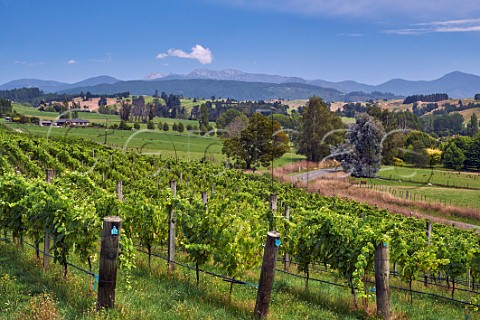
(114, 231)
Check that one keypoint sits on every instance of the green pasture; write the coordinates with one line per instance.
(348, 120)
(444, 195)
(441, 177)
(97, 117)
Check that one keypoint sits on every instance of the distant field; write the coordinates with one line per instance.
(295, 104)
(96, 117)
(448, 187)
(448, 195)
(435, 177)
(348, 120)
(467, 114)
(167, 144)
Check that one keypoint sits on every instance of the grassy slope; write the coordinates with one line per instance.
(449, 187)
(164, 143)
(436, 177)
(168, 144)
(467, 114)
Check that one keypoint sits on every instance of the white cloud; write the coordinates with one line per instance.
(203, 55)
(72, 61)
(448, 26)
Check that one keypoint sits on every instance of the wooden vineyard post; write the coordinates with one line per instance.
(50, 174)
(429, 240)
(273, 202)
(171, 230)
(107, 275)
(267, 274)
(204, 198)
(273, 208)
(120, 190)
(382, 280)
(286, 257)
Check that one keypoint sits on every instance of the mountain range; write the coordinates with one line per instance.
(242, 86)
(49, 86)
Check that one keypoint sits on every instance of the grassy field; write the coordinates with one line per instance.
(421, 192)
(348, 120)
(26, 292)
(96, 117)
(441, 177)
(455, 188)
(467, 114)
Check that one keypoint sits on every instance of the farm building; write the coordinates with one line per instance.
(71, 122)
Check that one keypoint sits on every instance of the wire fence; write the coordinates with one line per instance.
(92, 274)
(253, 285)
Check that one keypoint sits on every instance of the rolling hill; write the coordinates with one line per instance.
(48, 86)
(240, 90)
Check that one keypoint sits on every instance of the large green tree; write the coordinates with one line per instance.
(230, 121)
(203, 119)
(453, 157)
(5, 107)
(361, 155)
(472, 126)
(261, 141)
(473, 154)
(416, 154)
(316, 125)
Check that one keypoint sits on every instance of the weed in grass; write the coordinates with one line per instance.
(41, 307)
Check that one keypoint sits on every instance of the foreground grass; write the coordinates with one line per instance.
(26, 292)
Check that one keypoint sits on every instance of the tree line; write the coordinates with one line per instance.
(36, 97)
(426, 97)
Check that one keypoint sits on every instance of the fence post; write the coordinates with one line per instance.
(286, 257)
(273, 202)
(120, 190)
(107, 275)
(267, 274)
(171, 230)
(273, 208)
(382, 280)
(50, 174)
(204, 198)
(429, 240)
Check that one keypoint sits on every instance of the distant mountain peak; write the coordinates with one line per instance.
(154, 76)
(214, 74)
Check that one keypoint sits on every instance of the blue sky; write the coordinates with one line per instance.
(369, 41)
